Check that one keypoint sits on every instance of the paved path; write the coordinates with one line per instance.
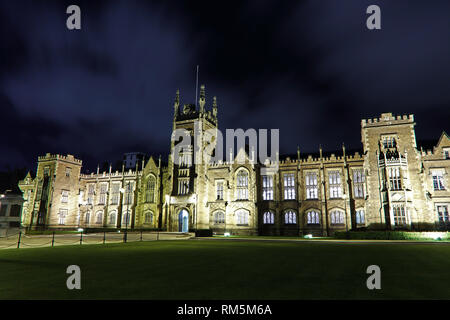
(34, 241)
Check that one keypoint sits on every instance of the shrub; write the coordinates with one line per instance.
(203, 233)
(392, 235)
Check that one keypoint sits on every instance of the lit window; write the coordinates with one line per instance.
(446, 154)
(337, 217)
(312, 217)
(219, 217)
(399, 213)
(268, 218)
(289, 186)
(267, 187)
(335, 184)
(438, 179)
(358, 183)
(62, 216)
(311, 185)
(219, 190)
(290, 217)
(242, 185)
(115, 189)
(360, 217)
(183, 186)
(64, 196)
(103, 190)
(242, 218)
(150, 191)
(128, 193)
(90, 199)
(442, 211)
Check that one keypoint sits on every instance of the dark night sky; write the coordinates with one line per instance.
(310, 68)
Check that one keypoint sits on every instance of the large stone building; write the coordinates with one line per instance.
(390, 185)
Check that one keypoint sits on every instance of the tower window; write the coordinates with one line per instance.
(219, 187)
(64, 196)
(399, 212)
(150, 191)
(395, 178)
(62, 216)
(183, 186)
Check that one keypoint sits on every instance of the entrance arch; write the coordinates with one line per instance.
(183, 221)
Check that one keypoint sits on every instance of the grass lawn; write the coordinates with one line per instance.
(212, 269)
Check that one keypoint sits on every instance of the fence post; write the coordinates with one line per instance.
(81, 237)
(18, 242)
(104, 237)
(157, 235)
(141, 235)
(53, 239)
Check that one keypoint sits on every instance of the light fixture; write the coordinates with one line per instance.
(226, 234)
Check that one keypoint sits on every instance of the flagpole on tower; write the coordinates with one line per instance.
(196, 87)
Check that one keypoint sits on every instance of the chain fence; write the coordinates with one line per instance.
(23, 240)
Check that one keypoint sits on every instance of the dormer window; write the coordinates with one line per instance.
(446, 154)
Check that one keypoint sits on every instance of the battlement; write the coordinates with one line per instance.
(59, 157)
(387, 119)
(116, 174)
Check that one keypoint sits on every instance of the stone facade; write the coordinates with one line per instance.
(390, 185)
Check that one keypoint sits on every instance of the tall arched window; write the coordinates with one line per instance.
(219, 217)
(242, 217)
(126, 218)
(360, 219)
(337, 217)
(312, 217)
(150, 190)
(242, 185)
(148, 218)
(87, 218)
(268, 217)
(99, 217)
(112, 217)
(290, 217)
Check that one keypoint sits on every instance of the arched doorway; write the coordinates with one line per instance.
(183, 221)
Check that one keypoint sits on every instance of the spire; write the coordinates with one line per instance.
(201, 100)
(214, 110)
(343, 149)
(176, 104)
(298, 152)
(320, 150)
